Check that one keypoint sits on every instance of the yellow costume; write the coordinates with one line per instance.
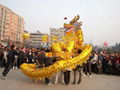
(66, 50)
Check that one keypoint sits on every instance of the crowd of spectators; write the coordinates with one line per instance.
(103, 63)
(99, 63)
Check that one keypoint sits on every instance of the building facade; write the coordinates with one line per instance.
(35, 40)
(11, 26)
(58, 33)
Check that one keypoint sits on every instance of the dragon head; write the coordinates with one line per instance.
(74, 23)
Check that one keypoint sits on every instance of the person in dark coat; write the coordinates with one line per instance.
(22, 57)
(10, 61)
(30, 56)
(77, 69)
(87, 67)
(44, 61)
(1, 57)
(40, 58)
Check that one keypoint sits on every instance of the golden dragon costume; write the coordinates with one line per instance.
(66, 50)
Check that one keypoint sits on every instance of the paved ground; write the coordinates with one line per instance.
(16, 80)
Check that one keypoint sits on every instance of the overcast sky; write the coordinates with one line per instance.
(101, 18)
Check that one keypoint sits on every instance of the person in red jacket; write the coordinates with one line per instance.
(117, 64)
